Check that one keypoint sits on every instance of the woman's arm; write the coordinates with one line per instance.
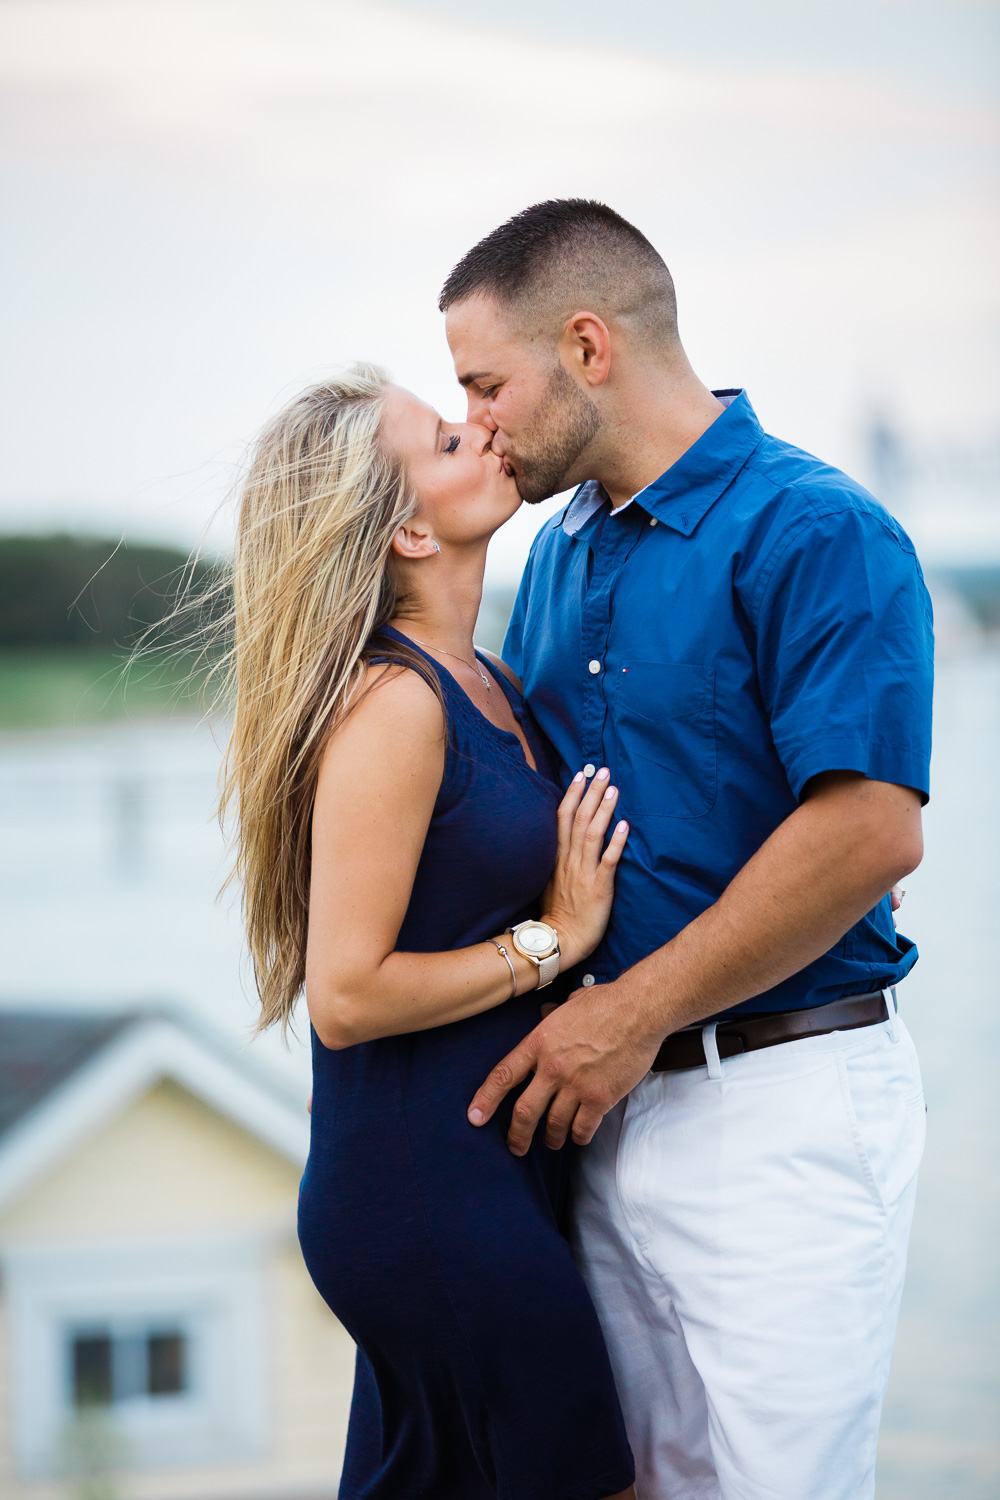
(378, 782)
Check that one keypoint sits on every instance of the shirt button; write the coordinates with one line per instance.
(652, 521)
(588, 980)
(589, 769)
(595, 666)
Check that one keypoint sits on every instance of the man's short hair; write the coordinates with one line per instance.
(558, 257)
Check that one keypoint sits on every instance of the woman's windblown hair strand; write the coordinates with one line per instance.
(312, 583)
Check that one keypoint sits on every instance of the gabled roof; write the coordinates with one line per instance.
(39, 1051)
(63, 1075)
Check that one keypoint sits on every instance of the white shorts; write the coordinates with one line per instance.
(744, 1240)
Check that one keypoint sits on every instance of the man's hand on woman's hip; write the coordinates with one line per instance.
(832, 860)
(585, 1056)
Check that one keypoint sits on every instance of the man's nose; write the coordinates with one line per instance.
(479, 412)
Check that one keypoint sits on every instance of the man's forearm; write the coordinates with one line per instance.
(827, 865)
(817, 875)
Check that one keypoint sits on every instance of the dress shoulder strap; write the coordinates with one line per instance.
(501, 666)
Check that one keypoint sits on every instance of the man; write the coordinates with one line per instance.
(742, 634)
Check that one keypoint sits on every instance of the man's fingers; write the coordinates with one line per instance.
(585, 1125)
(508, 1073)
(569, 1115)
(560, 1119)
(528, 1110)
(616, 844)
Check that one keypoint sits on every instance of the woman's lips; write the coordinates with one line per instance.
(506, 467)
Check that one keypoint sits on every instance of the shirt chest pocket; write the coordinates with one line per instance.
(664, 716)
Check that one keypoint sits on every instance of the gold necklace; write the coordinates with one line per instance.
(474, 666)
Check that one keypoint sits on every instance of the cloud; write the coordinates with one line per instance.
(214, 202)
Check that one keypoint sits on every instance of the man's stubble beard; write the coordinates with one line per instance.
(565, 425)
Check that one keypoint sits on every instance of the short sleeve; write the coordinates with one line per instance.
(845, 652)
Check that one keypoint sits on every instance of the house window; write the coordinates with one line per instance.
(167, 1336)
(92, 1381)
(112, 1365)
(166, 1364)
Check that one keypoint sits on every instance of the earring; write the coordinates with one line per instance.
(436, 546)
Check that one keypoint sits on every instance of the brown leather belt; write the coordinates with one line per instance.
(684, 1049)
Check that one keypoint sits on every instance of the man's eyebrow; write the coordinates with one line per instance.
(465, 380)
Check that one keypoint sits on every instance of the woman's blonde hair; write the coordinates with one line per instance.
(311, 586)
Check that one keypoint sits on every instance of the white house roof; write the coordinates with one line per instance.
(63, 1076)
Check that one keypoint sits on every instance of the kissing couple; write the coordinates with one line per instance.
(615, 1125)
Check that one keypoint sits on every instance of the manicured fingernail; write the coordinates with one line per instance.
(622, 827)
(578, 776)
(603, 773)
(476, 1117)
(612, 791)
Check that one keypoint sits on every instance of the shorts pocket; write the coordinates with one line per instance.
(885, 1107)
(664, 717)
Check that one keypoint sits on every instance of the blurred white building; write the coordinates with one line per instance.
(159, 1333)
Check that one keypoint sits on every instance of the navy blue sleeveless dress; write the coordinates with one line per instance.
(481, 1370)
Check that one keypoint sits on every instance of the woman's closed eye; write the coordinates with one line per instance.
(452, 443)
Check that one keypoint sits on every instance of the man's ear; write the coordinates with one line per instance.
(414, 540)
(585, 347)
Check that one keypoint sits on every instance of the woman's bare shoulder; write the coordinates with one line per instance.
(394, 714)
(501, 666)
(380, 772)
(389, 682)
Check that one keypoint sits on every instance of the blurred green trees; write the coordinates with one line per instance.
(72, 609)
(88, 591)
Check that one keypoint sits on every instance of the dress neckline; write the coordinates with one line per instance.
(506, 686)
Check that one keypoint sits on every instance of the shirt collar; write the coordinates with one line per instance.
(691, 486)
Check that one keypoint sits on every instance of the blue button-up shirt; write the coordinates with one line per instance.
(749, 620)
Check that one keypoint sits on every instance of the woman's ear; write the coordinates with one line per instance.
(414, 540)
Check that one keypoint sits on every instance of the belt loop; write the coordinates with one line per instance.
(892, 1007)
(711, 1046)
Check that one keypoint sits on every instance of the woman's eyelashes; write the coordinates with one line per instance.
(452, 443)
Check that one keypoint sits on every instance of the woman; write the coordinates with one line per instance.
(397, 818)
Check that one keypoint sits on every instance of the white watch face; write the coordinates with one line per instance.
(536, 939)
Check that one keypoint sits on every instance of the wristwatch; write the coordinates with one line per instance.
(538, 942)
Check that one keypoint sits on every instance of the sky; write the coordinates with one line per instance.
(209, 204)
